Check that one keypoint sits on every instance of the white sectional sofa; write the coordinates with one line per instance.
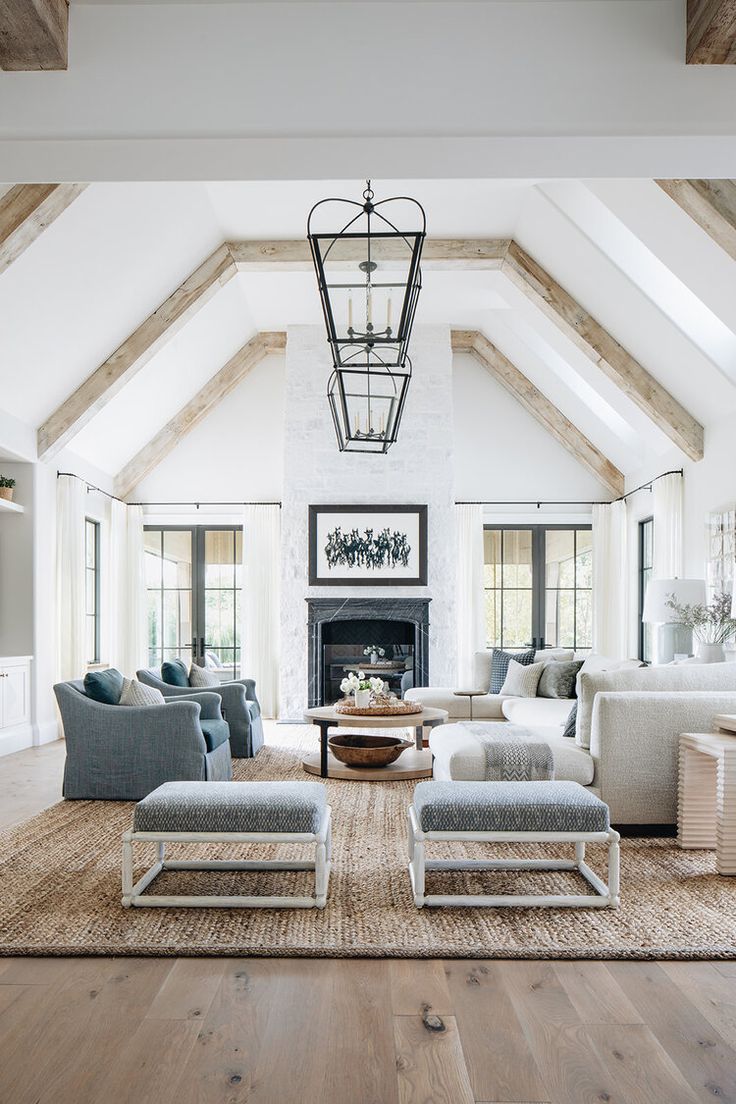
(625, 747)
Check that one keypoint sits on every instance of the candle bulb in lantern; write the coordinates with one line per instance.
(388, 314)
(350, 312)
(369, 307)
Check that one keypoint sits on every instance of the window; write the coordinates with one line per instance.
(92, 589)
(193, 583)
(646, 563)
(538, 586)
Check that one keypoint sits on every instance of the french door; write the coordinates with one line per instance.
(538, 586)
(193, 588)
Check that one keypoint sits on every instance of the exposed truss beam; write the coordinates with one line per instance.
(34, 34)
(710, 203)
(438, 253)
(605, 352)
(25, 212)
(203, 403)
(105, 382)
(540, 407)
(711, 32)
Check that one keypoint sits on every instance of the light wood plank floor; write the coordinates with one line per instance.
(321, 1031)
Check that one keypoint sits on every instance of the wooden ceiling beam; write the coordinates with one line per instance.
(34, 34)
(197, 409)
(438, 253)
(605, 352)
(26, 210)
(539, 406)
(711, 32)
(710, 203)
(128, 359)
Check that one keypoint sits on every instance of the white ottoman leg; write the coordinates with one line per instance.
(613, 868)
(320, 875)
(579, 853)
(418, 868)
(127, 870)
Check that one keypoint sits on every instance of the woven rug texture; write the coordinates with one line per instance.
(60, 877)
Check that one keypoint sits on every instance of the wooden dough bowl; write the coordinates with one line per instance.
(362, 750)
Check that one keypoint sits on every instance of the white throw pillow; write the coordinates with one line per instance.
(200, 676)
(137, 693)
(522, 682)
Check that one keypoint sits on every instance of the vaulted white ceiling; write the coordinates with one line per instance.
(622, 249)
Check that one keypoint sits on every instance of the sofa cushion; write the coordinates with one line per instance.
(508, 807)
(459, 756)
(137, 693)
(536, 712)
(485, 707)
(522, 680)
(500, 664)
(174, 671)
(558, 679)
(104, 686)
(215, 733)
(202, 676)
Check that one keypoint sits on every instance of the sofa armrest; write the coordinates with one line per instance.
(634, 744)
(209, 702)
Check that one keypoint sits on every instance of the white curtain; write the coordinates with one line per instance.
(610, 580)
(126, 590)
(470, 597)
(667, 513)
(261, 604)
(71, 650)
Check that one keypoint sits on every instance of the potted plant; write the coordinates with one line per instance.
(6, 487)
(374, 652)
(361, 688)
(711, 624)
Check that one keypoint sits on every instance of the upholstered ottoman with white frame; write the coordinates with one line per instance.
(230, 812)
(511, 812)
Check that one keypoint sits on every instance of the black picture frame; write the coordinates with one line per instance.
(369, 577)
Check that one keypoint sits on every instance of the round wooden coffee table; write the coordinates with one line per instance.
(413, 763)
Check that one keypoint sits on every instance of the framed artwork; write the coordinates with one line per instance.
(367, 545)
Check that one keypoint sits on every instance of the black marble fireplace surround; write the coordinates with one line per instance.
(324, 611)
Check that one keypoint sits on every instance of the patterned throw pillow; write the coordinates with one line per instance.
(558, 679)
(571, 722)
(500, 664)
(201, 676)
(137, 693)
(522, 680)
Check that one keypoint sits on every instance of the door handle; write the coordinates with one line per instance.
(201, 649)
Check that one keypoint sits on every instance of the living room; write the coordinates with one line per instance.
(368, 550)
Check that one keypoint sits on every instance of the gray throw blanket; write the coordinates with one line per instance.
(513, 753)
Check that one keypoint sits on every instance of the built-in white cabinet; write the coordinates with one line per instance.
(15, 691)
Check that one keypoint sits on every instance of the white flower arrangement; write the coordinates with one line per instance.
(356, 680)
(374, 648)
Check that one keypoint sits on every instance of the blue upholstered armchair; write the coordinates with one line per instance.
(239, 704)
(121, 753)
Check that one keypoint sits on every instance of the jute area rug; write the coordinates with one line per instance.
(60, 879)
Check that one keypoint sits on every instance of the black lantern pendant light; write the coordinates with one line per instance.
(369, 278)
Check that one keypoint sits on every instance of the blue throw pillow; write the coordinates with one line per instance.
(571, 722)
(104, 686)
(174, 671)
(500, 664)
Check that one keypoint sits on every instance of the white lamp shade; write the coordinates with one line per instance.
(687, 592)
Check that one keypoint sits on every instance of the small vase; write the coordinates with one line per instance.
(374, 658)
(711, 653)
(6, 493)
(362, 699)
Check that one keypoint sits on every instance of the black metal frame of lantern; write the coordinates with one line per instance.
(369, 363)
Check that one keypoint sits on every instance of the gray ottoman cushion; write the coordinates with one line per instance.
(232, 807)
(508, 807)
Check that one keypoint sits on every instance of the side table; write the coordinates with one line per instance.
(706, 805)
(469, 694)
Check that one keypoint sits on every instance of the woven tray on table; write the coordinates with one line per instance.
(394, 709)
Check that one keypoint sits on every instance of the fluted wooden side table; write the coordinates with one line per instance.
(706, 805)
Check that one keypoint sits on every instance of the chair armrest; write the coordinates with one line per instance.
(209, 702)
(249, 684)
(634, 743)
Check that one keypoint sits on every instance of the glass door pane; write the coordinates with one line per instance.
(221, 572)
(169, 574)
(509, 588)
(568, 579)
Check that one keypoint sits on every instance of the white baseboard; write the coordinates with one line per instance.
(15, 739)
(46, 733)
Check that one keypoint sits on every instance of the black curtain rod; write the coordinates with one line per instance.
(99, 490)
(569, 501)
